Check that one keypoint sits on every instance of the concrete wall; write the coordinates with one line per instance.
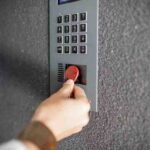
(123, 121)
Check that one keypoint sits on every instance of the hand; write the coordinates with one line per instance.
(63, 115)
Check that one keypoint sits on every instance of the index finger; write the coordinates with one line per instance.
(79, 93)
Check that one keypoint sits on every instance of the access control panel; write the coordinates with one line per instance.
(73, 41)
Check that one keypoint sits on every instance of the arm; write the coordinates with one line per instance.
(62, 115)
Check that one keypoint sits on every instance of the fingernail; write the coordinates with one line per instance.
(69, 81)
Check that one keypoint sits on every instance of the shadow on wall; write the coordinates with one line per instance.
(22, 69)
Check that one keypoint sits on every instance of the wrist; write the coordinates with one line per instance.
(38, 137)
(51, 125)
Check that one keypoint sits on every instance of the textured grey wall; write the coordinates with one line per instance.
(123, 121)
(24, 75)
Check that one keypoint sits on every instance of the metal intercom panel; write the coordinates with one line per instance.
(73, 38)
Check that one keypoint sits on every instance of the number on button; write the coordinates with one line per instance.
(74, 17)
(66, 40)
(83, 49)
(59, 29)
(74, 49)
(83, 17)
(66, 29)
(66, 49)
(59, 39)
(66, 18)
(59, 19)
(59, 49)
(74, 39)
(83, 28)
(74, 28)
(82, 38)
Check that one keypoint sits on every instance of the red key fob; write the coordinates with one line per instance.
(72, 72)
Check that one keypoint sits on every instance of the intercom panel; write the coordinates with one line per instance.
(73, 41)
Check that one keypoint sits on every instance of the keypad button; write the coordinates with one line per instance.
(66, 49)
(74, 17)
(83, 27)
(59, 29)
(59, 49)
(66, 18)
(74, 39)
(59, 39)
(74, 28)
(83, 49)
(83, 38)
(74, 49)
(66, 39)
(59, 19)
(83, 16)
(66, 29)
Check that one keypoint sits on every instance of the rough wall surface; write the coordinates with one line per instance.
(123, 121)
(24, 75)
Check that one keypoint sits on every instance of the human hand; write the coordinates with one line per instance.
(63, 115)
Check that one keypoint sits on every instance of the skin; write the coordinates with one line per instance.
(65, 113)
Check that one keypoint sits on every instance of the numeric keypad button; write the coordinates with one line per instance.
(74, 28)
(66, 49)
(59, 39)
(59, 19)
(66, 39)
(74, 39)
(66, 29)
(66, 18)
(83, 16)
(60, 49)
(59, 29)
(83, 49)
(83, 38)
(83, 27)
(74, 49)
(74, 17)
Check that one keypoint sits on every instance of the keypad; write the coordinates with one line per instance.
(72, 33)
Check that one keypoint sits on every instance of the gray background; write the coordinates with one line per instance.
(123, 121)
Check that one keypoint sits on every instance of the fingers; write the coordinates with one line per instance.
(67, 89)
(81, 98)
(79, 93)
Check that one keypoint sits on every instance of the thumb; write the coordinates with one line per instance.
(67, 89)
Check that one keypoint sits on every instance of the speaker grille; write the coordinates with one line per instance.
(60, 76)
